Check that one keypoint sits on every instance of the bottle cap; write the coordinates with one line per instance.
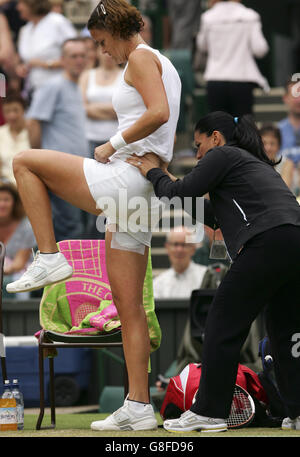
(6, 382)
(15, 381)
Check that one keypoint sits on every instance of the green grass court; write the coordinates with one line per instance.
(78, 425)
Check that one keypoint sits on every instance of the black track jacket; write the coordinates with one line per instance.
(247, 196)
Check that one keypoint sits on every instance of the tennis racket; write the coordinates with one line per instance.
(242, 409)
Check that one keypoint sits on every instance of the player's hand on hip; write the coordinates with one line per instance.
(103, 152)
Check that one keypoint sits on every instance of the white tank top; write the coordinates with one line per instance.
(130, 106)
(100, 130)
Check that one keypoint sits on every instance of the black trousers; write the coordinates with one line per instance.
(235, 98)
(266, 274)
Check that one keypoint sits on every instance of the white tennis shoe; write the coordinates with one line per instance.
(291, 424)
(189, 422)
(42, 273)
(128, 418)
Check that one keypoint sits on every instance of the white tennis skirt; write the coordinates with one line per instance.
(125, 197)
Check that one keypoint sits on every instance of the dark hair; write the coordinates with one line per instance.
(14, 97)
(242, 131)
(38, 7)
(270, 129)
(18, 210)
(117, 17)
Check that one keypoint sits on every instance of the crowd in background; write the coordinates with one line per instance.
(58, 96)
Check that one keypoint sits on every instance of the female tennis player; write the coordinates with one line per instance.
(260, 221)
(147, 103)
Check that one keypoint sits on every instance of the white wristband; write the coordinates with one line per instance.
(117, 141)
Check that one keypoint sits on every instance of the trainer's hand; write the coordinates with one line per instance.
(103, 152)
(142, 163)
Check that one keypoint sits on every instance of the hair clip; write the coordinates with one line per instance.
(102, 7)
(236, 120)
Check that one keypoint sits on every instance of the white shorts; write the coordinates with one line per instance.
(127, 200)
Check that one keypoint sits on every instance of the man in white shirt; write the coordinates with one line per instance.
(184, 275)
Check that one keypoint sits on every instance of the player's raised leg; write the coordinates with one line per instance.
(37, 171)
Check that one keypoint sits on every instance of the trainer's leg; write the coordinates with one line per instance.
(38, 170)
(126, 272)
(262, 268)
(238, 301)
(283, 325)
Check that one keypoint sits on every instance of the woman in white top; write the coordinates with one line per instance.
(231, 36)
(40, 41)
(147, 103)
(98, 85)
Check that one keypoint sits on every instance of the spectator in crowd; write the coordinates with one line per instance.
(98, 85)
(40, 41)
(9, 9)
(14, 136)
(271, 137)
(57, 6)
(7, 49)
(8, 58)
(91, 52)
(16, 234)
(184, 22)
(290, 134)
(146, 33)
(184, 275)
(57, 121)
(232, 37)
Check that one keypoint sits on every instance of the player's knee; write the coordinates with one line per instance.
(19, 160)
(126, 306)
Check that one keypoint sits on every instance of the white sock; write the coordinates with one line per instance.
(49, 258)
(137, 406)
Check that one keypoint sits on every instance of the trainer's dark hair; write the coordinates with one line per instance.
(117, 17)
(241, 131)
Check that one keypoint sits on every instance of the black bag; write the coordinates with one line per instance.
(267, 378)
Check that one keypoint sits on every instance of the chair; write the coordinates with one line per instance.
(49, 340)
(2, 350)
(71, 317)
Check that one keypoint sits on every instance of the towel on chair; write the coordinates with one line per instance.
(83, 304)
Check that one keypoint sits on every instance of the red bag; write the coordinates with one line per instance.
(182, 389)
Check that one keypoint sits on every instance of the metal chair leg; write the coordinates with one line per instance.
(52, 391)
(42, 389)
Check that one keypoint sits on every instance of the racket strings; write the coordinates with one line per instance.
(241, 409)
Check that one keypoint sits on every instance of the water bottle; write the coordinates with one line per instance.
(7, 393)
(18, 396)
(8, 409)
